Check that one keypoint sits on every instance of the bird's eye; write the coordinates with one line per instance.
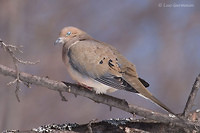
(68, 33)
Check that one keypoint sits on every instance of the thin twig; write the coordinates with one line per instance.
(110, 108)
(62, 96)
(11, 49)
(104, 99)
(191, 97)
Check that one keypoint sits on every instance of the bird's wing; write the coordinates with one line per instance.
(98, 61)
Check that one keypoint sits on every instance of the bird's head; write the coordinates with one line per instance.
(69, 35)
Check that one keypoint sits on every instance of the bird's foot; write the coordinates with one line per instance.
(85, 86)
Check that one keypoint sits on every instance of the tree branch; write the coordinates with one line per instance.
(127, 125)
(102, 98)
(192, 96)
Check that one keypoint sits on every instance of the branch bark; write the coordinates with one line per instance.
(192, 96)
(108, 126)
(102, 98)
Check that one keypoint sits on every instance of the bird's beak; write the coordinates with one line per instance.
(60, 40)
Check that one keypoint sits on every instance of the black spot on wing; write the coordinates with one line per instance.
(144, 82)
(110, 63)
(101, 62)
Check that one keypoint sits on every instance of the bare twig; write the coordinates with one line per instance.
(192, 96)
(105, 99)
(11, 49)
(62, 96)
(110, 108)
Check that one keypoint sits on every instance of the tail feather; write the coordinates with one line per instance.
(136, 84)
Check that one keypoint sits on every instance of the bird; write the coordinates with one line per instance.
(100, 66)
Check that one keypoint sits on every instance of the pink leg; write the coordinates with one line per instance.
(90, 88)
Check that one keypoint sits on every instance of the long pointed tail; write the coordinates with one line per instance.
(136, 84)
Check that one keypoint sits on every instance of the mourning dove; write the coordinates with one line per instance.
(99, 65)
